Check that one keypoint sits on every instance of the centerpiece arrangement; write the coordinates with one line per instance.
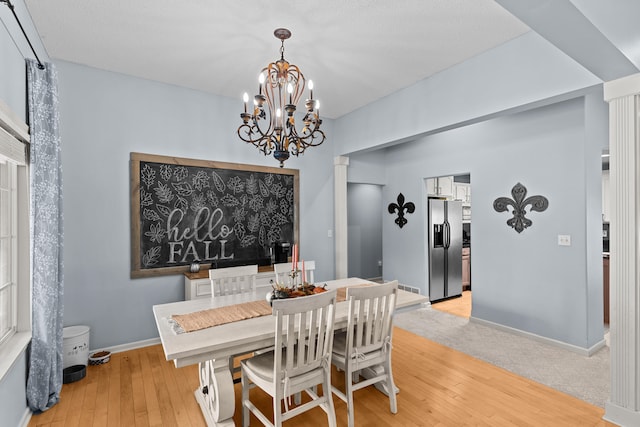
(296, 285)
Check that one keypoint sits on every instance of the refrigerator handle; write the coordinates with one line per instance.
(447, 234)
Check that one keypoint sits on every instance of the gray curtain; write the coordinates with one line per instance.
(44, 380)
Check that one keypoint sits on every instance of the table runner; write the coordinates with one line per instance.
(219, 316)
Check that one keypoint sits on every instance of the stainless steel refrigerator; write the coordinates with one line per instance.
(445, 249)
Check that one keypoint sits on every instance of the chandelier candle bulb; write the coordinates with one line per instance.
(311, 89)
(245, 99)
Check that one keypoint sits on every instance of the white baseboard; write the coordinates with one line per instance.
(579, 350)
(26, 417)
(620, 416)
(129, 346)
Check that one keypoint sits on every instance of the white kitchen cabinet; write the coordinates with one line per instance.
(432, 186)
(440, 187)
(463, 193)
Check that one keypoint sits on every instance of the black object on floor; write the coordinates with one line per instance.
(73, 373)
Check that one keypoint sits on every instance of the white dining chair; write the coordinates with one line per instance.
(300, 360)
(233, 280)
(366, 342)
(229, 281)
(283, 270)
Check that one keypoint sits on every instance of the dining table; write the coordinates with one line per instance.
(213, 347)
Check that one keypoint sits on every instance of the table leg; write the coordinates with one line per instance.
(215, 395)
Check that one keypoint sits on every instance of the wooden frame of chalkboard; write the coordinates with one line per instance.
(212, 213)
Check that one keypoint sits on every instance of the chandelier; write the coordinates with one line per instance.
(270, 125)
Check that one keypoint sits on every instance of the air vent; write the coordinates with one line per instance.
(409, 288)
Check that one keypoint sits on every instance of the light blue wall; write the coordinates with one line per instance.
(364, 221)
(105, 116)
(13, 400)
(525, 281)
(367, 168)
(526, 70)
(464, 120)
(12, 65)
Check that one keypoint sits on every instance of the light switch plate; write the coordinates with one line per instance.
(564, 240)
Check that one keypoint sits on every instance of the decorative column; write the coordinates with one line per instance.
(623, 96)
(340, 164)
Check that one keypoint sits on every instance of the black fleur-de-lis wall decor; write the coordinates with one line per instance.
(519, 203)
(401, 207)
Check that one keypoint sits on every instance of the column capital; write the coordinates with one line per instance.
(341, 161)
(625, 86)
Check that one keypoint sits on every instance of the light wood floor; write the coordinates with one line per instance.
(438, 387)
(460, 306)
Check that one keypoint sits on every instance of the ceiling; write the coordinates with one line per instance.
(355, 51)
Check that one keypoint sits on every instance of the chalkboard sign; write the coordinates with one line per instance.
(221, 214)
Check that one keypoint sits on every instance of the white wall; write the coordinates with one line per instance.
(104, 117)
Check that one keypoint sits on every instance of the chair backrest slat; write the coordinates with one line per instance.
(233, 280)
(304, 328)
(371, 310)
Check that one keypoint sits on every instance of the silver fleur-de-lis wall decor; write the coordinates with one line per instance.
(519, 203)
(401, 207)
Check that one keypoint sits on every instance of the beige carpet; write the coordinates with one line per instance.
(586, 378)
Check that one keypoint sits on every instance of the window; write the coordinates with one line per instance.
(15, 289)
(8, 250)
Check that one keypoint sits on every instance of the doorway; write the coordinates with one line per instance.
(450, 279)
(364, 231)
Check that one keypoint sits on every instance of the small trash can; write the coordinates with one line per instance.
(75, 345)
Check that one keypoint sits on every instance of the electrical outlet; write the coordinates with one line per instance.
(380, 263)
(330, 233)
(564, 240)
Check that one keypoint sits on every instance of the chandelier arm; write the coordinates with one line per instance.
(261, 143)
(298, 145)
(310, 135)
(308, 141)
(258, 128)
(298, 82)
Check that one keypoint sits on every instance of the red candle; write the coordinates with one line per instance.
(304, 275)
(294, 258)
